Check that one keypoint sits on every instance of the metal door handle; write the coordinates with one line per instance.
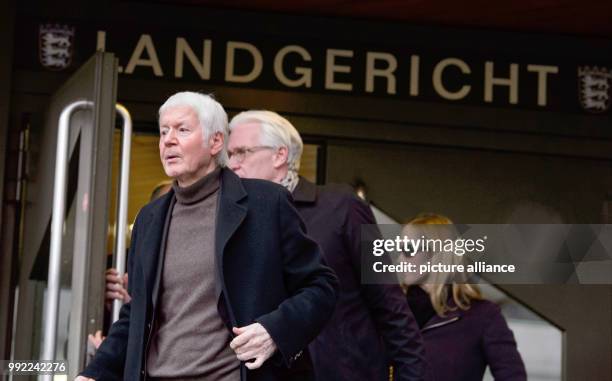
(57, 223)
(121, 215)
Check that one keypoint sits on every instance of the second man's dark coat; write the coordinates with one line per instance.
(372, 326)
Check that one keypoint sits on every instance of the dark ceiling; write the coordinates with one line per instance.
(588, 18)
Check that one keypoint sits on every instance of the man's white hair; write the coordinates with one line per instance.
(276, 132)
(211, 116)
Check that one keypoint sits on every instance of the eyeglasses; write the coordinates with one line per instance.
(240, 153)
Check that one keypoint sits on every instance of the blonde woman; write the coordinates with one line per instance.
(463, 333)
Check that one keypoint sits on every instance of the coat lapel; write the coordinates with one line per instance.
(230, 214)
(150, 252)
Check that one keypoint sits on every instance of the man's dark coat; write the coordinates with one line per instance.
(372, 325)
(269, 272)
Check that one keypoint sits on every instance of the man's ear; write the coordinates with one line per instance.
(281, 157)
(216, 143)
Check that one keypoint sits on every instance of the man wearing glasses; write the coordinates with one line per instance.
(372, 326)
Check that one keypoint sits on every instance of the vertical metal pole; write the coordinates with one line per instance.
(57, 224)
(121, 217)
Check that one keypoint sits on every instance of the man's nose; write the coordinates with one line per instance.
(169, 138)
(233, 164)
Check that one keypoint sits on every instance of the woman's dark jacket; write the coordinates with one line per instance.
(460, 345)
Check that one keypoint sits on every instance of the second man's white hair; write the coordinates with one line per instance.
(276, 132)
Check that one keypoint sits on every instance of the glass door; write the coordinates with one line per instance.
(79, 290)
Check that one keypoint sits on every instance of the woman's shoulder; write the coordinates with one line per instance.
(483, 307)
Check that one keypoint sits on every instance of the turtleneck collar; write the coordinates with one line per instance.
(199, 190)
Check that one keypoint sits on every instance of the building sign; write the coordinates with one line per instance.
(544, 80)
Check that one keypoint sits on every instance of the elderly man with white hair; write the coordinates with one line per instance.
(225, 283)
(372, 326)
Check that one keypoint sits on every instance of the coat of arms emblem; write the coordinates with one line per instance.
(55, 46)
(594, 88)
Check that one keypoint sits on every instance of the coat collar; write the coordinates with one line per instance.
(231, 186)
(231, 211)
(305, 191)
(152, 240)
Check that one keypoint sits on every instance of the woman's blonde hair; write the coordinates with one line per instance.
(463, 293)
